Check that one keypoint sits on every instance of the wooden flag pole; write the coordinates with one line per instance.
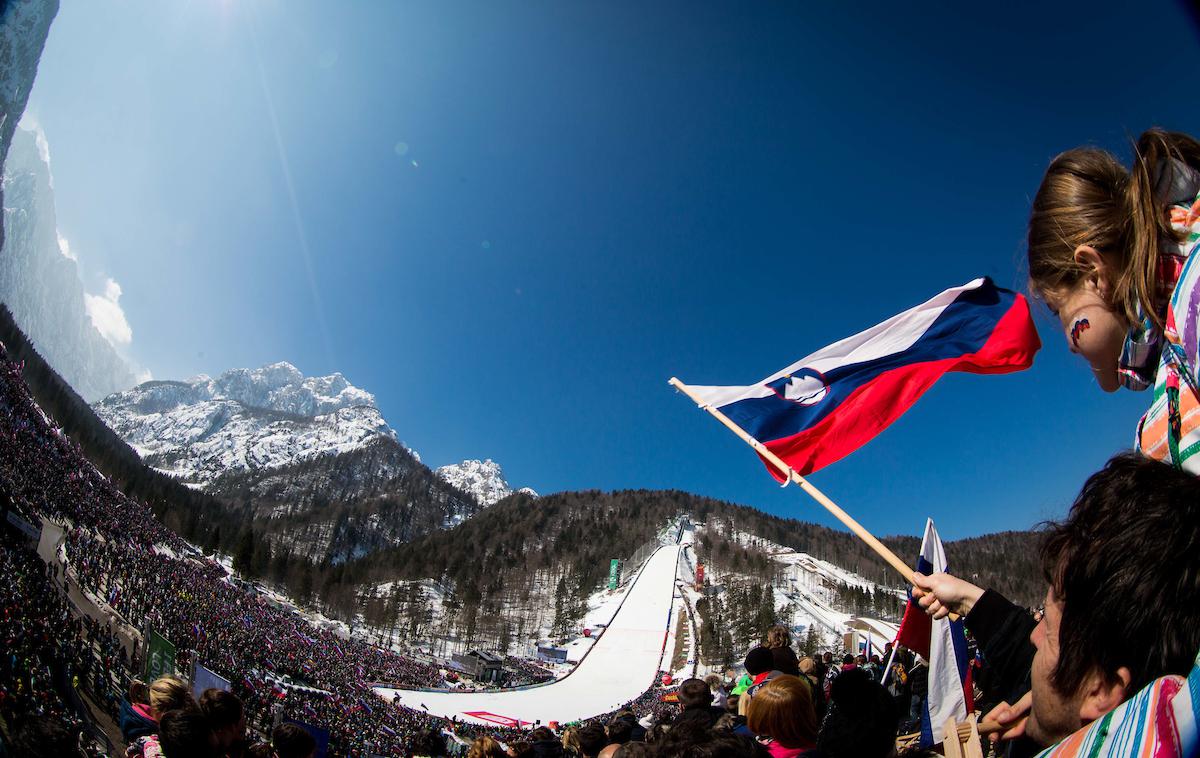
(804, 484)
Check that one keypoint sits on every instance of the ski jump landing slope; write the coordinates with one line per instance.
(619, 667)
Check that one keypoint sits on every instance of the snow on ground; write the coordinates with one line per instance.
(618, 668)
(809, 586)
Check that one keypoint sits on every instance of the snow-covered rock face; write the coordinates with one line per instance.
(41, 285)
(24, 26)
(482, 479)
(244, 420)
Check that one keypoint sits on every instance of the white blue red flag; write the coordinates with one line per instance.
(942, 643)
(828, 404)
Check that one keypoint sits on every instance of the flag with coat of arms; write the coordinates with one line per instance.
(828, 404)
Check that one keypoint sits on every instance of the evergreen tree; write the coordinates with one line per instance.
(243, 555)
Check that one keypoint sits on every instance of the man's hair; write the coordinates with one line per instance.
(727, 745)
(222, 708)
(44, 735)
(592, 739)
(185, 733)
(861, 721)
(694, 693)
(731, 703)
(1125, 566)
(292, 741)
(540, 734)
(620, 730)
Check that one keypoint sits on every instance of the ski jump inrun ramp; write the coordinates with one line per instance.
(619, 667)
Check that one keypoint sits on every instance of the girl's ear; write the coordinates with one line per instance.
(1099, 273)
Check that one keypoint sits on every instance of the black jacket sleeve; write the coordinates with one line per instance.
(1002, 630)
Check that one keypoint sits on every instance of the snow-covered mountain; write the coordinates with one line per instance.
(482, 479)
(41, 284)
(244, 420)
(311, 456)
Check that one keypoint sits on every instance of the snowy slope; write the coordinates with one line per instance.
(619, 667)
(244, 420)
(483, 479)
(809, 586)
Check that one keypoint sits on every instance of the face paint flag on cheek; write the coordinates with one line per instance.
(828, 404)
(1080, 326)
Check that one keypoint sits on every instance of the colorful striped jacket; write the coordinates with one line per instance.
(1170, 429)
(1157, 722)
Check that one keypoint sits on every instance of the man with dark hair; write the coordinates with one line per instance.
(226, 718)
(696, 700)
(545, 744)
(184, 733)
(620, 730)
(861, 719)
(592, 740)
(1123, 606)
(293, 741)
(45, 735)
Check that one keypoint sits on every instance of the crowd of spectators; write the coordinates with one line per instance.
(48, 653)
(520, 672)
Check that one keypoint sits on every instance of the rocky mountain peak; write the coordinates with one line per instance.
(482, 479)
(244, 420)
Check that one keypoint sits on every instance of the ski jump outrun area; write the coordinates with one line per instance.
(619, 667)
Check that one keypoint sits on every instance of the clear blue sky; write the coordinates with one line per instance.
(513, 222)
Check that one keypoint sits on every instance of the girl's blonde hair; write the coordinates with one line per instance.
(484, 747)
(778, 636)
(1088, 198)
(807, 665)
(169, 693)
(570, 739)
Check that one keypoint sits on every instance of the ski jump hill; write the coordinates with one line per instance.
(617, 669)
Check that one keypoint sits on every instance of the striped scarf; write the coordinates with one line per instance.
(1170, 430)
(1157, 722)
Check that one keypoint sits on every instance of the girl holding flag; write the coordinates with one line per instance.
(1110, 253)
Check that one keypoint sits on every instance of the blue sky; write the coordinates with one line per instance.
(513, 222)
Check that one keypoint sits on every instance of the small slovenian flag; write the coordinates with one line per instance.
(827, 405)
(942, 643)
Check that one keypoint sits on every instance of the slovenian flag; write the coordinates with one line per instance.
(942, 643)
(828, 404)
